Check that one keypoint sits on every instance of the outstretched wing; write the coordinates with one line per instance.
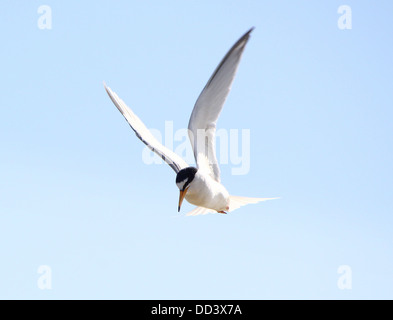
(171, 158)
(202, 124)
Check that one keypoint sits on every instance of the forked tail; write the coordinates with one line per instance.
(235, 202)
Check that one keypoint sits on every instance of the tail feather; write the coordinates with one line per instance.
(199, 211)
(235, 202)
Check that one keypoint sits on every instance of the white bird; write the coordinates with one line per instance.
(200, 186)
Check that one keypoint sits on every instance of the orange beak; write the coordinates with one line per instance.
(181, 197)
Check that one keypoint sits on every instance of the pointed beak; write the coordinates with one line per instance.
(181, 197)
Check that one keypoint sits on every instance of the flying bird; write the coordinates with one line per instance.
(199, 185)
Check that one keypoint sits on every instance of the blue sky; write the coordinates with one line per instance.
(75, 195)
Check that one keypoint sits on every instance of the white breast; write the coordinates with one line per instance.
(206, 192)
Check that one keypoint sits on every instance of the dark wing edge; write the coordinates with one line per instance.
(143, 134)
(210, 103)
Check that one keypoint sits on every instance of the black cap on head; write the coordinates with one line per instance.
(186, 175)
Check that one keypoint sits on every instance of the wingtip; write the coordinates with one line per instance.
(245, 37)
(107, 89)
(247, 34)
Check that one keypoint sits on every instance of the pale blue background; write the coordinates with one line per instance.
(76, 196)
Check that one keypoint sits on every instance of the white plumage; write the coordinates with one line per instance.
(200, 186)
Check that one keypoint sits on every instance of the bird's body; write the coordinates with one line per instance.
(206, 192)
(200, 186)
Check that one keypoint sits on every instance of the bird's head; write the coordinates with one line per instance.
(183, 179)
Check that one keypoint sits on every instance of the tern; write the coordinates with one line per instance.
(199, 185)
